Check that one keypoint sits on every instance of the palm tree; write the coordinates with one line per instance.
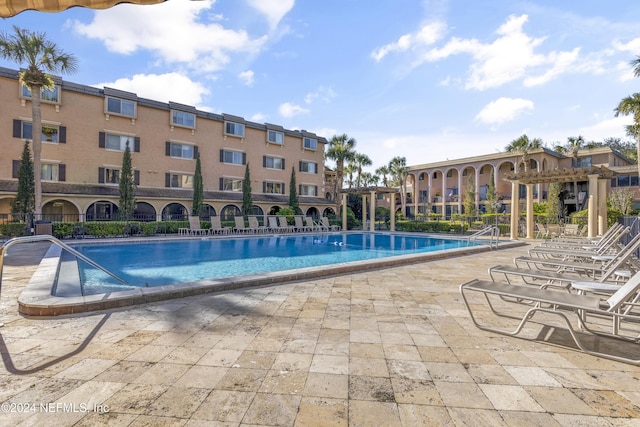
(39, 56)
(349, 170)
(383, 171)
(574, 145)
(630, 105)
(524, 145)
(399, 172)
(360, 160)
(340, 149)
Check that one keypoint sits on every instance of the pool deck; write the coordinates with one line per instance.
(389, 347)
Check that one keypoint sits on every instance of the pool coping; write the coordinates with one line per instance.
(37, 299)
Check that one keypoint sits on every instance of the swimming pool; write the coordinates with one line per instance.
(159, 263)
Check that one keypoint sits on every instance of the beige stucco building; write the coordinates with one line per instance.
(86, 129)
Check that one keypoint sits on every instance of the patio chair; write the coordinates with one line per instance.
(614, 309)
(194, 229)
(255, 225)
(564, 273)
(576, 251)
(573, 241)
(274, 227)
(283, 224)
(329, 227)
(299, 224)
(541, 231)
(240, 227)
(217, 228)
(311, 224)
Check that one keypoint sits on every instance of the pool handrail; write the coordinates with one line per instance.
(46, 237)
(493, 232)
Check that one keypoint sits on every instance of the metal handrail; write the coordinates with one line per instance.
(46, 237)
(492, 231)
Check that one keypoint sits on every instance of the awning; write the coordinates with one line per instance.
(13, 7)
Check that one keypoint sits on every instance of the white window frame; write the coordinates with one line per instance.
(43, 138)
(183, 180)
(273, 185)
(122, 143)
(310, 143)
(275, 137)
(308, 164)
(50, 96)
(121, 109)
(234, 129)
(54, 175)
(179, 118)
(186, 151)
(234, 155)
(235, 184)
(111, 176)
(273, 163)
(305, 190)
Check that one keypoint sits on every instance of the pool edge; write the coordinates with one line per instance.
(37, 300)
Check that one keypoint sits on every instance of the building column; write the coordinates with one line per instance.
(593, 205)
(530, 219)
(392, 226)
(416, 192)
(515, 209)
(344, 211)
(372, 210)
(602, 208)
(364, 211)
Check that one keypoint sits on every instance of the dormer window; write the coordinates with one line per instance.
(275, 137)
(51, 95)
(121, 107)
(184, 119)
(235, 129)
(310, 144)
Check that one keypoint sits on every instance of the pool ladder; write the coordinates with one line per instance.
(45, 237)
(493, 232)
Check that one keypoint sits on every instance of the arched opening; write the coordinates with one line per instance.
(207, 211)
(229, 212)
(274, 210)
(102, 211)
(313, 212)
(60, 210)
(257, 210)
(144, 212)
(175, 212)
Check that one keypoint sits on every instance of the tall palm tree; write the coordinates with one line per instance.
(524, 145)
(349, 170)
(39, 56)
(399, 173)
(630, 105)
(383, 171)
(360, 160)
(574, 144)
(341, 148)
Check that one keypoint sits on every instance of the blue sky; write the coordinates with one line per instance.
(427, 80)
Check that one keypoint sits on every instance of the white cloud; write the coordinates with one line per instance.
(274, 10)
(288, 110)
(503, 110)
(425, 36)
(162, 87)
(632, 46)
(247, 77)
(175, 31)
(258, 118)
(323, 93)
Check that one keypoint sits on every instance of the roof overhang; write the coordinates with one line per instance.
(560, 175)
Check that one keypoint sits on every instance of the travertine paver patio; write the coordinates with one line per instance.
(386, 347)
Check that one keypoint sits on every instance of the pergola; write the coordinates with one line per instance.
(597, 178)
(369, 192)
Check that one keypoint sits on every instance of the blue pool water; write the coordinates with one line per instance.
(180, 261)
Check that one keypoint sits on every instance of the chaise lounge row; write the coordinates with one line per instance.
(273, 224)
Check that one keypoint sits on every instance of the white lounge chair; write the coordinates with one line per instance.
(240, 227)
(255, 225)
(283, 225)
(216, 227)
(325, 223)
(616, 309)
(195, 229)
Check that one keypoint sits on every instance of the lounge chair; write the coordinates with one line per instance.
(300, 225)
(195, 229)
(311, 224)
(580, 240)
(283, 225)
(577, 251)
(616, 308)
(273, 224)
(329, 227)
(217, 228)
(255, 225)
(240, 227)
(567, 272)
(541, 231)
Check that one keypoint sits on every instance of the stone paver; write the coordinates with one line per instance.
(392, 347)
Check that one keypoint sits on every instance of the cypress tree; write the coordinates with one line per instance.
(492, 196)
(293, 193)
(198, 190)
(126, 206)
(24, 203)
(247, 202)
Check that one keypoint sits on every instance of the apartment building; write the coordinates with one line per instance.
(85, 132)
(440, 187)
